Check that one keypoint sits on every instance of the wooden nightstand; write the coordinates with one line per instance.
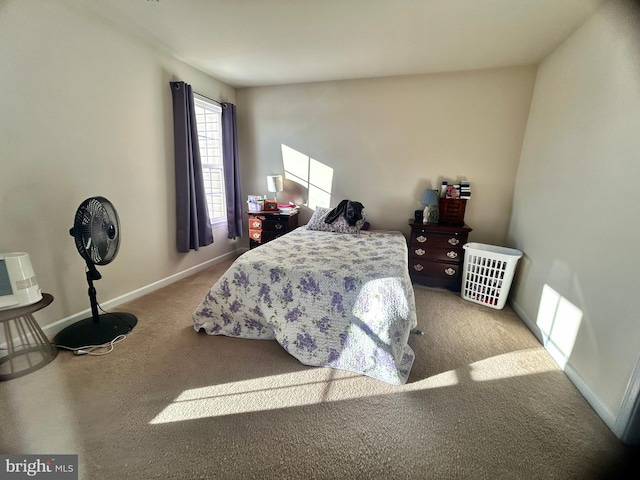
(436, 254)
(265, 226)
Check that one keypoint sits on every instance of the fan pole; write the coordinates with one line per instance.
(93, 274)
(97, 329)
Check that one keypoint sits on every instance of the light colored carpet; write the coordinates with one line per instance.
(484, 401)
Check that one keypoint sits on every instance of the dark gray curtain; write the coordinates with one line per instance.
(231, 165)
(193, 224)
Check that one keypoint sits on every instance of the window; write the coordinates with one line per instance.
(209, 123)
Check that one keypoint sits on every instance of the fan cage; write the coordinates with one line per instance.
(96, 231)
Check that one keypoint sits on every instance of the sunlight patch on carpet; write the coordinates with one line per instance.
(325, 385)
(258, 394)
(531, 361)
(296, 389)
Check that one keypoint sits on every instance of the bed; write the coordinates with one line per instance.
(340, 300)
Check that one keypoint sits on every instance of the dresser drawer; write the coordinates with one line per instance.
(442, 270)
(427, 253)
(438, 239)
(453, 285)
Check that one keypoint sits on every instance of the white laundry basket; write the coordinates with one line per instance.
(487, 273)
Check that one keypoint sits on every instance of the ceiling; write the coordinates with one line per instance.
(249, 43)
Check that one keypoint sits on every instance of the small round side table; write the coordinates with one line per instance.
(27, 346)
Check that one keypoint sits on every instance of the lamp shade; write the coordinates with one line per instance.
(274, 183)
(431, 209)
(430, 197)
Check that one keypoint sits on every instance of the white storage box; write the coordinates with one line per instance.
(255, 205)
(487, 273)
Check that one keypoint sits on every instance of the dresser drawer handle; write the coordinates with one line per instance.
(421, 239)
(420, 252)
(454, 241)
(255, 224)
(279, 226)
(452, 254)
(417, 267)
(450, 271)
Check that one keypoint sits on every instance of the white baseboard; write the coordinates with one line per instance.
(628, 423)
(527, 321)
(605, 414)
(52, 329)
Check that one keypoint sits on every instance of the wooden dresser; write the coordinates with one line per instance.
(265, 226)
(436, 254)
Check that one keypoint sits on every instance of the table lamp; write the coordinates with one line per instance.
(274, 184)
(431, 208)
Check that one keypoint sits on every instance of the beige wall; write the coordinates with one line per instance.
(389, 139)
(85, 111)
(575, 205)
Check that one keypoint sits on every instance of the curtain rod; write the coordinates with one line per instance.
(204, 96)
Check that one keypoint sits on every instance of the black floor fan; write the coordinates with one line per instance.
(96, 230)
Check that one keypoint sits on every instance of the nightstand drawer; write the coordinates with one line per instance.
(275, 225)
(255, 234)
(255, 223)
(268, 235)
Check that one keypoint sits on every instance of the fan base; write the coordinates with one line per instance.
(88, 332)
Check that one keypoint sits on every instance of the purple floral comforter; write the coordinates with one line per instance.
(330, 299)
